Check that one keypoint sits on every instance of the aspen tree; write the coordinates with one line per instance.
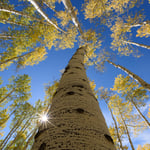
(105, 95)
(25, 30)
(132, 92)
(131, 74)
(104, 57)
(13, 100)
(122, 31)
(75, 120)
(122, 110)
(30, 32)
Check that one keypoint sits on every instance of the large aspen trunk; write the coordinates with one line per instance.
(76, 121)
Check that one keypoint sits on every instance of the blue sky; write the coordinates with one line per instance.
(49, 70)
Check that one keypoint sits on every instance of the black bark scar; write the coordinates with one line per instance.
(43, 146)
(39, 133)
(108, 137)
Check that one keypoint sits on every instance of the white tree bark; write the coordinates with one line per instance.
(131, 74)
(138, 24)
(116, 127)
(127, 131)
(12, 12)
(75, 119)
(70, 9)
(140, 113)
(48, 5)
(22, 14)
(16, 23)
(7, 37)
(137, 44)
(44, 15)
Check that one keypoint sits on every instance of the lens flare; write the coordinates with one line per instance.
(44, 118)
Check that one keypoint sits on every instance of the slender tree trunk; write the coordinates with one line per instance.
(25, 126)
(75, 119)
(142, 116)
(9, 135)
(23, 15)
(8, 117)
(44, 15)
(13, 12)
(70, 9)
(138, 24)
(32, 134)
(16, 57)
(16, 23)
(127, 131)
(137, 44)
(116, 127)
(4, 98)
(49, 6)
(7, 37)
(134, 76)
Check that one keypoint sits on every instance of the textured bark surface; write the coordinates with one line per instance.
(76, 120)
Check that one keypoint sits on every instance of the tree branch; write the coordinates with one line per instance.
(3, 99)
(17, 57)
(22, 14)
(44, 15)
(138, 24)
(71, 11)
(137, 44)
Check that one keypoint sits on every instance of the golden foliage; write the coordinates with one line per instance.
(113, 134)
(128, 87)
(123, 84)
(29, 30)
(133, 95)
(33, 57)
(119, 31)
(50, 36)
(64, 16)
(144, 147)
(149, 112)
(93, 86)
(103, 56)
(67, 40)
(144, 31)
(119, 5)
(3, 118)
(93, 44)
(122, 31)
(94, 8)
(50, 89)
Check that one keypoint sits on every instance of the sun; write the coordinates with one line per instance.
(44, 118)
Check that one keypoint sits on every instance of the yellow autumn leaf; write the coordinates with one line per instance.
(144, 31)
